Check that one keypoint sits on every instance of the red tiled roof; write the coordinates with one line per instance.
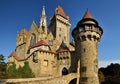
(63, 50)
(14, 55)
(39, 43)
(41, 50)
(24, 31)
(87, 15)
(61, 11)
(45, 50)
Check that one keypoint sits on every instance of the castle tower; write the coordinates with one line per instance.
(43, 22)
(60, 25)
(87, 35)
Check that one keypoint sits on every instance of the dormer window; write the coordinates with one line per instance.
(50, 42)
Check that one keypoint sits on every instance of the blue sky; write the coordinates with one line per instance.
(17, 14)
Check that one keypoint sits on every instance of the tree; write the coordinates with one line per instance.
(1, 58)
(111, 73)
(20, 72)
(12, 71)
(3, 67)
(27, 72)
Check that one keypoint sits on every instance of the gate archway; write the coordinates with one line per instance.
(73, 81)
(64, 71)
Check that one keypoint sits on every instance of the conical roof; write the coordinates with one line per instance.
(87, 15)
(87, 19)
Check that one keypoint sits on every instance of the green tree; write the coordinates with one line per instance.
(3, 67)
(27, 72)
(1, 58)
(20, 72)
(111, 73)
(116, 69)
(12, 71)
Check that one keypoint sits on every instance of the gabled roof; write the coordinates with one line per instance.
(87, 15)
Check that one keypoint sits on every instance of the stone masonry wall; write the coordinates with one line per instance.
(42, 80)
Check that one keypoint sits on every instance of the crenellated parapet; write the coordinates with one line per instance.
(87, 29)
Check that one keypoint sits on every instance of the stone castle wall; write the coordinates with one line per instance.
(43, 80)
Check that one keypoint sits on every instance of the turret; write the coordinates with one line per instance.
(87, 35)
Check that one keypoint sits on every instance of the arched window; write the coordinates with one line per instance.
(64, 71)
(33, 39)
(43, 28)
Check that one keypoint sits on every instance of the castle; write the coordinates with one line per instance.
(51, 54)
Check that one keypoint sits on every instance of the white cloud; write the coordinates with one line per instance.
(107, 62)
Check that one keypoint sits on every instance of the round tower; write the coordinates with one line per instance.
(87, 35)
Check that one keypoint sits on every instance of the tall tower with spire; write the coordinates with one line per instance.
(87, 35)
(43, 22)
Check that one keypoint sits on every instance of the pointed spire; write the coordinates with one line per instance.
(87, 15)
(43, 22)
(43, 11)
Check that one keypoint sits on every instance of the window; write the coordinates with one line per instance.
(64, 71)
(89, 37)
(94, 38)
(33, 39)
(50, 42)
(83, 69)
(84, 49)
(59, 35)
(60, 29)
(45, 63)
(35, 57)
(43, 28)
(65, 38)
(83, 38)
